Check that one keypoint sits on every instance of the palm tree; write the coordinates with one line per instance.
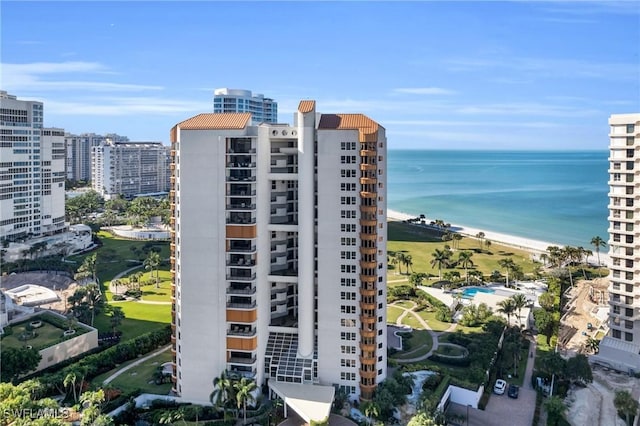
(371, 410)
(152, 262)
(480, 236)
(592, 345)
(456, 240)
(464, 259)
(626, 405)
(93, 297)
(244, 388)
(555, 410)
(400, 258)
(508, 264)
(507, 307)
(545, 258)
(116, 318)
(440, 259)
(393, 260)
(223, 391)
(408, 262)
(598, 242)
(519, 302)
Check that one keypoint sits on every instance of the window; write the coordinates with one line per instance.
(344, 186)
(348, 159)
(347, 241)
(348, 269)
(348, 255)
(347, 376)
(346, 322)
(347, 362)
(348, 282)
(348, 200)
(348, 227)
(628, 312)
(348, 214)
(347, 309)
(348, 349)
(347, 146)
(347, 336)
(630, 128)
(628, 325)
(346, 173)
(347, 295)
(617, 333)
(628, 337)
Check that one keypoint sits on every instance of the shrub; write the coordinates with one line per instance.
(118, 297)
(432, 382)
(444, 314)
(462, 362)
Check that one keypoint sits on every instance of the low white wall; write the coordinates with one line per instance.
(145, 400)
(68, 349)
(461, 396)
(141, 234)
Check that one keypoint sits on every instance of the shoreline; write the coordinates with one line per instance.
(535, 247)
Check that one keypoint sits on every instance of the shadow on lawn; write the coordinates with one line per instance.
(399, 231)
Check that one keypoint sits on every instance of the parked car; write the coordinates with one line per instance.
(513, 391)
(500, 387)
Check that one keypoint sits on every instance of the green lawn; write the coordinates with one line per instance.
(405, 304)
(140, 318)
(450, 351)
(46, 335)
(139, 376)
(393, 313)
(430, 318)
(412, 322)
(420, 342)
(161, 294)
(421, 242)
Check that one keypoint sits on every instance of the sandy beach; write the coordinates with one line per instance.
(536, 247)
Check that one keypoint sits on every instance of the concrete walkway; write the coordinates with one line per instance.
(133, 364)
(113, 289)
(434, 334)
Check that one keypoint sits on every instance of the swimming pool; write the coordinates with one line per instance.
(469, 292)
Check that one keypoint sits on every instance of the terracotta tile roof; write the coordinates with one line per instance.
(367, 128)
(211, 121)
(306, 106)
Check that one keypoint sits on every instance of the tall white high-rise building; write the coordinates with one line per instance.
(79, 147)
(263, 110)
(620, 349)
(279, 253)
(129, 169)
(32, 173)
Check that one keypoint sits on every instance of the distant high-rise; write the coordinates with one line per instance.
(78, 161)
(620, 348)
(130, 169)
(32, 173)
(263, 110)
(279, 253)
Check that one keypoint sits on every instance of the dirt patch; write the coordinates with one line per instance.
(593, 405)
(585, 299)
(61, 284)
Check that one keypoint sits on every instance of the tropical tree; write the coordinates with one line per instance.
(117, 315)
(626, 405)
(70, 381)
(598, 242)
(400, 259)
(480, 236)
(507, 307)
(416, 278)
(408, 262)
(464, 260)
(392, 260)
(592, 345)
(371, 410)
(508, 264)
(456, 240)
(18, 361)
(519, 302)
(440, 260)
(223, 391)
(244, 393)
(151, 263)
(555, 410)
(92, 403)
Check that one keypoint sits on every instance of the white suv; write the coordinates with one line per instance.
(499, 387)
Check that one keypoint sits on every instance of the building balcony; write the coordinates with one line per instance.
(241, 305)
(368, 153)
(368, 293)
(240, 277)
(365, 278)
(368, 265)
(241, 249)
(240, 193)
(370, 236)
(242, 360)
(241, 262)
(368, 374)
(368, 167)
(368, 347)
(367, 319)
(368, 306)
(366, 181)
(241, 206)
(240, 165)
(365, 194)
(241, 220)
(241, 331)
(242, 291)
(365, 222)
(370, 334)
(241, 178)
(368, 360)
(368, 250)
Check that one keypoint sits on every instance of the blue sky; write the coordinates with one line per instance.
(436, 75)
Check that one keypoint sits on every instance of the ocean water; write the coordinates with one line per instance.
(559, 197)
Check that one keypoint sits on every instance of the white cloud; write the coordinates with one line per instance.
(424, 91)
(28, 78)
(457, 123)
(120, 106)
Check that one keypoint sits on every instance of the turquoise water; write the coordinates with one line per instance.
(468, 293)
(560, 197)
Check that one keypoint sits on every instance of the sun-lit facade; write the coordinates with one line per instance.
(279, 251)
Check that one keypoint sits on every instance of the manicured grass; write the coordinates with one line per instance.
(412, 322)
(161, 294)
(430, 318)
(140, 318)
(450, 351)
(393, 313)
(420, 342)
(46, 335)
(139, 376)
(421, 242)
(405, 304)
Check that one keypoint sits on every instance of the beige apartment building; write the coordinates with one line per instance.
(279, 253)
